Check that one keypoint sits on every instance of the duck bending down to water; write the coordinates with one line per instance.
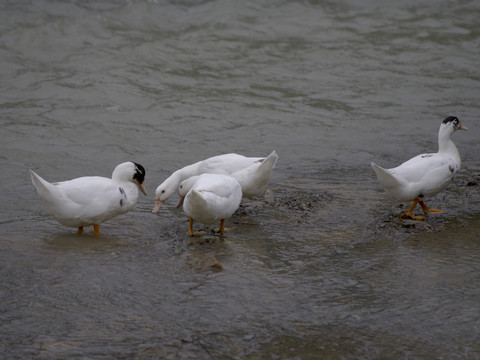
(92, 200)
(425, 175)
(209, 198)
(220, 164)
(253, 179)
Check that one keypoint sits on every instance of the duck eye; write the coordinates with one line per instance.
(163, 191)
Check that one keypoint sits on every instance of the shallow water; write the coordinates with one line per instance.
(320, 267)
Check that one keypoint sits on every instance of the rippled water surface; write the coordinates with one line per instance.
(318, 268)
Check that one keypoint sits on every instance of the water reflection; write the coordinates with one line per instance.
(65, 242)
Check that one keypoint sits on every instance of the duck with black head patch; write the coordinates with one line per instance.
(425, 175)
(92, 200)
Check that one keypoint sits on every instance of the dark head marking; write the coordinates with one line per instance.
(452, 119)
(139, 173)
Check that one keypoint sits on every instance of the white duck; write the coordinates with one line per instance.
(254, 178)
(91, 200)
(424, 175)
(226, 164)
(210, 198)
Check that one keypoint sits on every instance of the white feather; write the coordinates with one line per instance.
(89, 200)
(220, 164)
(212, 197)
(254, 178)
(424, 175)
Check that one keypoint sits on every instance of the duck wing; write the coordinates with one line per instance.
(85, 199)
(218, 185)
(435, 166)
(213, 197)
(226, 163)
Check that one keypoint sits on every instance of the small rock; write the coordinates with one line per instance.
(249, 337)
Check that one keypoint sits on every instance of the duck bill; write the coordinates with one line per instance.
(142, 188)
(158, 204)
(180, 200)
(461, 127)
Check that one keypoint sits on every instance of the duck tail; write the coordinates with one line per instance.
(387, 180)
(270, 160)
(43, 187)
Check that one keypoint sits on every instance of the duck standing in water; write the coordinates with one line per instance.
(209, 198)
(253, 179)
(220, 164)
(425, 175)
(92, 200)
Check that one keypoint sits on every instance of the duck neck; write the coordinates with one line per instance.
(129, 193)
(446, 146)
(177, 177)
(186, 172)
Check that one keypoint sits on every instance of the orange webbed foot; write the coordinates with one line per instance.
(427, 210)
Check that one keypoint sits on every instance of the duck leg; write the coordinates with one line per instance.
(96, 230)
(222, 227)
(80, 230)
(427, 210)
(408, 214)
(190, 227)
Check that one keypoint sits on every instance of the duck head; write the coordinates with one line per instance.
(454, 123)
(130, 171)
